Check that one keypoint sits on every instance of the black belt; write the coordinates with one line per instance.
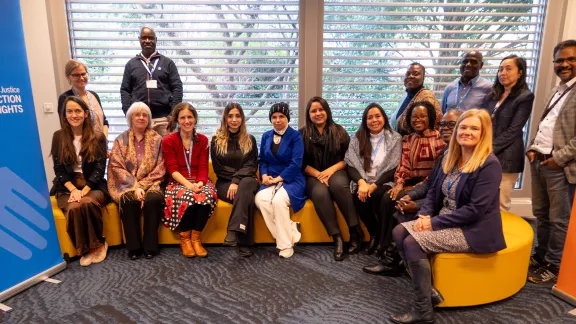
(541, 157)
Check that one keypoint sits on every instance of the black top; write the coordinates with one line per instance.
(69, 93)
(93, 171)
(318, 152)
(233, 166)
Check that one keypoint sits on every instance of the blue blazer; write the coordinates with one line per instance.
(477, 207)
(287, 163)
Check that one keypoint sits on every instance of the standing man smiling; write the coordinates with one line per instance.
(153, 79)
(469, 90)
(552, 156)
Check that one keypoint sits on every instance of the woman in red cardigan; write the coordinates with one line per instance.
(190, 196)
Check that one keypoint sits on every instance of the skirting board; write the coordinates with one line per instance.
(522, 207)
(32, 281)
(564, 296)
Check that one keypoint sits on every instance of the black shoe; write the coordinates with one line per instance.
(231, 239)
(149, 254)
(380, 251)
(338, 247)
(437, 298)
(389, 269)
(544, 274)
(371, 246)
(535, 263)
(244, 251)
(356, 237)
(135, 254)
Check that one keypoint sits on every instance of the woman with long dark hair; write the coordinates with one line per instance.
(190, 195)
(325, 144)
(79, 156)
(510, 105)
(235, 162)
(372, 157)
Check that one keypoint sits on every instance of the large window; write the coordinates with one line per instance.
(369, 44)
(225, 51)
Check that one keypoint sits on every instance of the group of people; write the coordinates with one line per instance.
(432, 178)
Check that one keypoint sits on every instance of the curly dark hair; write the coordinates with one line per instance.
(431, 114)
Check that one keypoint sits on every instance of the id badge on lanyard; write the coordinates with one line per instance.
(151, 83)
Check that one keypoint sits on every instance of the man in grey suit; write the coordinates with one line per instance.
(552, 156)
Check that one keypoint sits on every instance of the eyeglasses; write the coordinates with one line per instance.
(570, 60)
(79, 75)
(451, 124)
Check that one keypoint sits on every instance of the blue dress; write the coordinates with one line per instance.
(287, 163)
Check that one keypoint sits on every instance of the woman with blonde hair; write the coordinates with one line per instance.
(79, 157)
(77, 76)
(135, 171)
(235, 161)
(190, 195)
(461, 212)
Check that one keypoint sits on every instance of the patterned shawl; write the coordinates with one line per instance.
(124, 175)
(393, 152)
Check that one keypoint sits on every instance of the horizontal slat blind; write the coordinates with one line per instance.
(225, 51)
(369, 44)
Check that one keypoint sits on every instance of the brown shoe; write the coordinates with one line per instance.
(200, 251)
(186, 245)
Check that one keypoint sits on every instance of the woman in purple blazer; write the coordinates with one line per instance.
(461, 212)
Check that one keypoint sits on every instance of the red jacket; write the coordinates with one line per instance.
(173, 151)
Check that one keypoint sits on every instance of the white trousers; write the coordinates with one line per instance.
(506, 187)
(275, 209)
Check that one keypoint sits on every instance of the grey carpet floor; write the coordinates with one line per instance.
(310, 287)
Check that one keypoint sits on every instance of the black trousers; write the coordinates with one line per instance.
(130, 210)
(195, 218)
(388, 221)
(242, 216)
(370, 211)
(323, 198)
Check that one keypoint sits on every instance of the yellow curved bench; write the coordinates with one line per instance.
(313, 230)
(467, 279)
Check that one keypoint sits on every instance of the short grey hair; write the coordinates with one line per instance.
(138, 106)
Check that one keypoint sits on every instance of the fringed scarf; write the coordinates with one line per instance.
(124, 173)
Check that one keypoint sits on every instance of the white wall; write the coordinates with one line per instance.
(40, 64)
(570, 25)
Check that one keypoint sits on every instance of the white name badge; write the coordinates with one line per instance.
(151, 84)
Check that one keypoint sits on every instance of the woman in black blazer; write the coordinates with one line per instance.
(510, 104)
(79, 157)
(77, 76)
(463, 203)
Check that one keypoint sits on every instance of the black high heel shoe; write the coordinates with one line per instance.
(338, 247)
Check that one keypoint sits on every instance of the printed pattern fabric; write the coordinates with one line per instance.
(179, 198)
(419, 152)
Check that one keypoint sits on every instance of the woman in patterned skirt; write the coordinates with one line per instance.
(135, 171)
(190, 196)
(465, 209)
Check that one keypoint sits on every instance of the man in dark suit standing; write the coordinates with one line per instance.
(151, 78)
(552, 155)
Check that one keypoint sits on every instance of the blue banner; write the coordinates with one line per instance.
(28, 241)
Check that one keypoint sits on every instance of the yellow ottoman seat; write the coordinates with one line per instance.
(112, 227)
(467, 279)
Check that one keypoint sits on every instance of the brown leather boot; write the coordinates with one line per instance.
(186, 245)
(200, 251)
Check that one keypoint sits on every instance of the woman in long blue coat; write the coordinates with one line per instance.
(283, 184)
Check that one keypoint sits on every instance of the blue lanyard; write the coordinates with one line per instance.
(189, 158)
(376, 149)
(149, 62)
(450, 183)
(459, 102)
(89, 102)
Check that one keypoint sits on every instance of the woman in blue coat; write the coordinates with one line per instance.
(283, 184)
(465, 210)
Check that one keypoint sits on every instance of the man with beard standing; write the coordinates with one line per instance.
(552, 156)
(153, 79)
(470, 89)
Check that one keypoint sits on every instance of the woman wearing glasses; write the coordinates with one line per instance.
(77, 76)
(510, 104)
